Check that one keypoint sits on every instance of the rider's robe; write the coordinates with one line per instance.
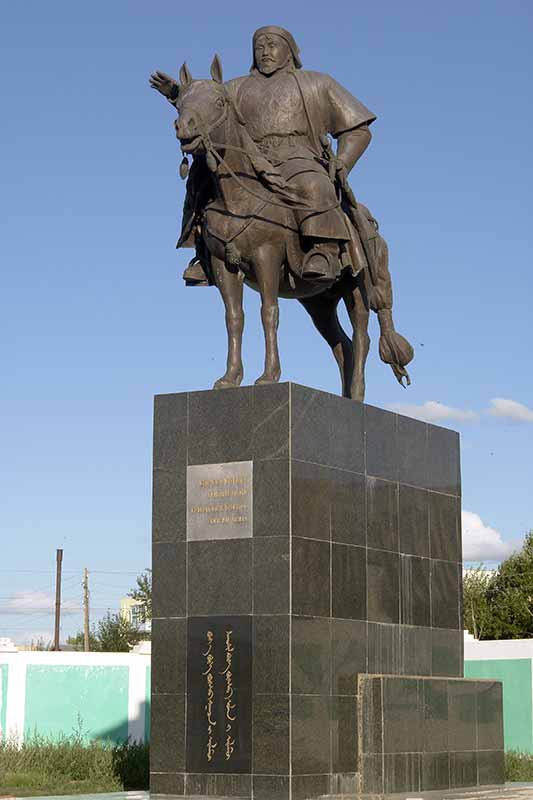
(286, 113)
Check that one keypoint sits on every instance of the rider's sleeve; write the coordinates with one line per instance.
(342, 111)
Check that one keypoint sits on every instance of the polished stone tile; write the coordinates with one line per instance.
(445, 586)
(402, 772)
(221, 426)
(270, 432)
(311, 655)
(271, 498)
(381, 443)
(170, 430)
(306, 786)
(489, 715)
(310, 735)
(169, 583)
(310, 577)
(443, 460)
(414, 591)
(384, 652)
(371, 774)
(271, 734)
(271, 787)
(169, 648)
(348, 654)
(415, 650)
(491, 767)
(167, 783)
(343, 734)
(462, 700)
(435, 727)
(348, 507)
(344, 783)
(167, 742)
(412, 451)
(447, 652)
(402, 715)
(413, 520)
(348, 582)
(371, 713)
(271, 654)
(382, 514)
(169, 506)
(435, 771)
(310, 425)
(463, 769)
(347, 438)
(271, 579)
(220, 577)
(444, 521)
(383, 582)
(217, 785)
(311, 500)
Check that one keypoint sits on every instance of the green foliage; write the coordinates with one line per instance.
(111, 634)
(143, 593)
(499, 605)
(78, 641)
(70, 765)
(518, 766)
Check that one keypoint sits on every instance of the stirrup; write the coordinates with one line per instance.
(194, 274)
(327, 266)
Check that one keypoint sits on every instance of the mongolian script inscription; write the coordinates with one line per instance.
(219, 501)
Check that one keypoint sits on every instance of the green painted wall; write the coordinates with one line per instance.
(58, 697)
(3, 698)
(515, 675)
(147, 705)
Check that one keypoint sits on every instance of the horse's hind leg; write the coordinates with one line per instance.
(358, 311)
(230, 286)
(322, 309)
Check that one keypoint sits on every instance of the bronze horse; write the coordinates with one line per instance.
(248, 234)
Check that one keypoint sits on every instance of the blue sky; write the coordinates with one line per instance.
(95, 319)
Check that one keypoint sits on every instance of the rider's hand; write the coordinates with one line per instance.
(164, 84)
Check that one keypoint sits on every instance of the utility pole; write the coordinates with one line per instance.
(59, 563)
(86, 610)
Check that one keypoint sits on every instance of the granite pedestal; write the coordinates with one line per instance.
(307, 583)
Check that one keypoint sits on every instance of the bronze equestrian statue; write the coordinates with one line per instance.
(268, 204)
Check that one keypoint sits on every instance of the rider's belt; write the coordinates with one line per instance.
(273, 142)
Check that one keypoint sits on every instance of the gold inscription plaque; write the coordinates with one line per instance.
(219, 501)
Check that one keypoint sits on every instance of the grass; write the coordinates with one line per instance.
(518, 766)
(71, 765)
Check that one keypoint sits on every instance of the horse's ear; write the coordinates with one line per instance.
(185, 75)
(216, 69)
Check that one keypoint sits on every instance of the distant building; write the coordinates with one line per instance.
(133, 611)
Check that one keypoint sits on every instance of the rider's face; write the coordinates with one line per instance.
(271, 53)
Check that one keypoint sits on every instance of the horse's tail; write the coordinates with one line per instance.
(394, 349)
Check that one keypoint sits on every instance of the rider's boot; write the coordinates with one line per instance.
(195, 274)
(322, 262)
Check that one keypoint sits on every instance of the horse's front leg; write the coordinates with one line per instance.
(267, 263)
(230, 286)
(358, 311)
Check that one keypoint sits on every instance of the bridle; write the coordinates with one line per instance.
(214, 159)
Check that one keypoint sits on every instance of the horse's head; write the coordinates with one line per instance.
(203, 107)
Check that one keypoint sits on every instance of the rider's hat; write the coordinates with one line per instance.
(285, 35)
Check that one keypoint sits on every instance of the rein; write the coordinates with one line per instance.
(210, 148)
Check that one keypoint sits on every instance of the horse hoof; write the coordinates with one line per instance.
(264, 379)
(226, 383)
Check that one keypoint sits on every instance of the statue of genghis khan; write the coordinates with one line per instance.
(268, 204)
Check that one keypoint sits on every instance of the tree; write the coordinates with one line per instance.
(477, 611)
(78, 641)
(116, 634)
(143, 594)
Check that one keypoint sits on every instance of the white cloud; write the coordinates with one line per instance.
(433, 411)
(504, 407)
(37, 603)
(480, 542)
